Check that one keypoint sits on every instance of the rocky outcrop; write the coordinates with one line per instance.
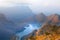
(54, 18)
(47, 31)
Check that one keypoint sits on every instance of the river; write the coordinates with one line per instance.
(28, 29)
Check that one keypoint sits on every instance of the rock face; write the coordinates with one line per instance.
(55, 18)
(46, 32)
(50, 28)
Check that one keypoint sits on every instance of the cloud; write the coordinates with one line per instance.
(6, 3)
(36, 5)
(33, 2)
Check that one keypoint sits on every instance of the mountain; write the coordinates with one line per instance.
(23, 13)
(3, 30)
(8, 28)
(18, 13)
(50, 28)
(41, 17)
(19, 16)
(13, 20)
(54, 18)
(47, 31)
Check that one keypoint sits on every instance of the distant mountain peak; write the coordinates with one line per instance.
(54, 18)
(41, 17)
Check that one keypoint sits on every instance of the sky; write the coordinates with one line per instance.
(32, 2)
(35, 5)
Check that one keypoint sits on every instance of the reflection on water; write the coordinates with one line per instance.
(28, 29)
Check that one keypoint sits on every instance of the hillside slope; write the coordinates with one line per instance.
(46, 32)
